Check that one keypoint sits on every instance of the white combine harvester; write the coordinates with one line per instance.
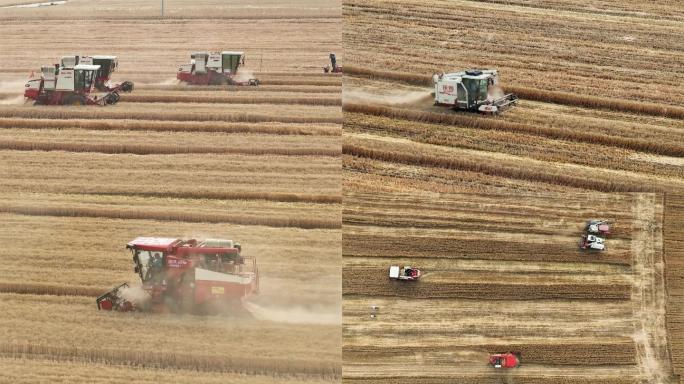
(472, 90)
(594, 235)
(405, 273)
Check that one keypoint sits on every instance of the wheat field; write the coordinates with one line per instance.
(259, 165)
(491, 207)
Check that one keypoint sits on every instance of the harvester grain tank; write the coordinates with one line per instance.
(186, 276)
(505, 360)
(332, 67)
(215, 68)
(472, 90)
(77, 80)
(406, 273)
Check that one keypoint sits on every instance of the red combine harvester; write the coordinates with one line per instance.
(406, 273)
(598, 227)
(215, 68)
(333, 67)
(185, 276)
(77, 80)
(505, 360)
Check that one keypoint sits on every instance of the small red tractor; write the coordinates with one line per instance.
(185, 276)
(505, 360)
(472, 90)
(77, 80)
(332, 67)
(215, 68)
(405, 273)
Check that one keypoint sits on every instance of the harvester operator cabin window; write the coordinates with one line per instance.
(79, 79)
(144, 260)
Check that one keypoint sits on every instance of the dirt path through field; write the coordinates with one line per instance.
(648, 292)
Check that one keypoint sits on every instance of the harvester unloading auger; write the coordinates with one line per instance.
(215, 68)
(472, 90)
(77, 80)
(185, 276)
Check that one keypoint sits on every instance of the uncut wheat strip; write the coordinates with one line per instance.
(495, 170)
(162, 360)
(213, 195)
(234, 89)
(142, 149)
(672, 149)
(51, 289)
(565, 98)
(604, 351)
(134, 214)
(673, 251)
(175, 126)
(137, 98)
(104, 113)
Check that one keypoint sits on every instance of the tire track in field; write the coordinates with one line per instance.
(648, 292)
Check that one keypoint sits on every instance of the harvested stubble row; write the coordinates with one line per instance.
(133, 214)
(142, 149)
(662, 148)
(275, 128)
(374, 281)
(547, 96)
(673, 251)
(219, 195)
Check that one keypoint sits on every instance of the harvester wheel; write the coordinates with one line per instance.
(127, 86)
(111, 98)
(75, 100)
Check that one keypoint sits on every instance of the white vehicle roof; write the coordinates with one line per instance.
(161, 241)
(87, 67)
(457, 76)
(232, 53)
(394, 272)
(106, 57)
(221, 243)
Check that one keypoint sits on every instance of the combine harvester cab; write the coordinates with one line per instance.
(215, 68)
(592, 243)
(186, 276)
(332, 67)
(505, 360)
(77, 80)
(472, 90)
(405, 273)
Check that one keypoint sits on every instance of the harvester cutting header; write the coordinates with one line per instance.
(77, 80)
(215, 68)
(472, 90)
(185, 276)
